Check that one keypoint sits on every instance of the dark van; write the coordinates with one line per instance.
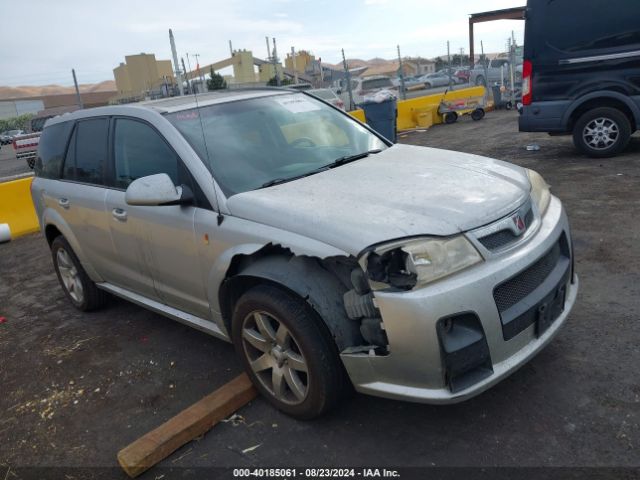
(581, 72)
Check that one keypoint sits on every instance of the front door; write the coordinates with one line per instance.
(164, 236)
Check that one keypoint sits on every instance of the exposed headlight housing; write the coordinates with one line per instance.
(416, 262)
(540, 193)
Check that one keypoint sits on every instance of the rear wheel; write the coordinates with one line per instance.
(602, 132)
(287, 351)
(77, 286)
(427, 85)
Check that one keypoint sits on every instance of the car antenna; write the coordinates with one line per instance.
(220, 217)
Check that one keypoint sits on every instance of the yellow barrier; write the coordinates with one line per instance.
(422, 112)
(359, 114)
(16, 207)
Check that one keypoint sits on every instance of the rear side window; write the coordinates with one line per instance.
(51, 150)
(614, 27)
(140, 151)
(87, 152)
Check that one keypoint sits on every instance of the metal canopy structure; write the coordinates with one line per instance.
(516, 13)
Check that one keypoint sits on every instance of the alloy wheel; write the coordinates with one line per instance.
(601, 133)
(275, 357)
(70, 276)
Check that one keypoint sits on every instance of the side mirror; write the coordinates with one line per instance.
(157, 190)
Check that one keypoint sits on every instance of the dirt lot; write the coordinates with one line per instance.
(78, 387)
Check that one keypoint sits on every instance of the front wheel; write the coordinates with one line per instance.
(602, 132)
(287, 351)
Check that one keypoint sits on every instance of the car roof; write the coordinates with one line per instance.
(175, 104)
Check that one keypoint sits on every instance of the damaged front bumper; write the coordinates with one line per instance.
(419, 365)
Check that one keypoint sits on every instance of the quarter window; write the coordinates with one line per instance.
(53, 143)
(139, 152)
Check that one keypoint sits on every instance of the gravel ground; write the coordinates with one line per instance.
(76, 388)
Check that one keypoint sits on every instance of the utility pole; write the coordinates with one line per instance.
(200, 76)
(461, 55)
(293, 62)
(191, 87)
(275, 62)
(184, 69)
(346, 69)
(175, 63)
(448, 63)
(403, 91)
(484, 67)
(75, 82)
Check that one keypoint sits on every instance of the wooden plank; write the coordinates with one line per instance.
(187, 425)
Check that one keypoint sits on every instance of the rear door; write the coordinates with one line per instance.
(79, 196)
(156, 244)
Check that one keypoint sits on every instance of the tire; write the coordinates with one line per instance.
(270, 353)
(481, 81)
(427, 85)
(477, 114)
(602, 132)
(76, 284)
(450, 117)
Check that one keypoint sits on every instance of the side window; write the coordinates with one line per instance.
(87, 153)
(614, 27)
(140, 151)
(51, 149)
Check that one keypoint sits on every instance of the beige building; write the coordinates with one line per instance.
(141, 74)
(303, 60)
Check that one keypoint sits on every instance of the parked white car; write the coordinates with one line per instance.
(328, 96)
(366, 86)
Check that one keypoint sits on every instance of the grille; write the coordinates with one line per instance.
(503, 238)
(517, 288)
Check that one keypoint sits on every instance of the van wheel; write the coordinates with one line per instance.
(77, 286)
(602, 132)
(287, 351)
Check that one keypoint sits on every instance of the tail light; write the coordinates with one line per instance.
(527, 91)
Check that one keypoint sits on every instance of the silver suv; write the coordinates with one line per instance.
(327, 255)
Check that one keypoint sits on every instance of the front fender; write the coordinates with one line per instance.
(321, 289)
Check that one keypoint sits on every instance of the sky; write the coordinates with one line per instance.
(42, 40)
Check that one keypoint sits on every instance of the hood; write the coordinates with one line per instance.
(400, 192)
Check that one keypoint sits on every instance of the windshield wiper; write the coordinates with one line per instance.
(351, 158)
(336, 163)
(278, 181)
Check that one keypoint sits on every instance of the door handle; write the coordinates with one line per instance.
(63, 202)
(119, 214)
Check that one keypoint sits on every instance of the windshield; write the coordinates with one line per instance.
(249, 143)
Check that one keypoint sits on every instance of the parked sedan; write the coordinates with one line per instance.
(328, 255)
(7, 137)
(437, 79)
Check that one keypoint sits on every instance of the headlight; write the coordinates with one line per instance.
(539, 191)
(410, 263)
